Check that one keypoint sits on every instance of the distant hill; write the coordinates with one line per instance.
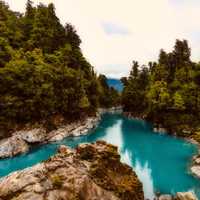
(116, 83)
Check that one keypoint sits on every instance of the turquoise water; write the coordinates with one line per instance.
(160, 161)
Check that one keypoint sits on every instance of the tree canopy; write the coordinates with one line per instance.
(43, 70)
(167, 92)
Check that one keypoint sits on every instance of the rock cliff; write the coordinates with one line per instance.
(90, 172)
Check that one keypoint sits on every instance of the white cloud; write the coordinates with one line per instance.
(151, 24)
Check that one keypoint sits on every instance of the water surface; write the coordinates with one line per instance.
(160, 161)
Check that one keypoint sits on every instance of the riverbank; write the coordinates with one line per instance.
(21, 141)
(130, 115)
(143, 147)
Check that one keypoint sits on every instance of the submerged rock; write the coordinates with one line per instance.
(90, 172)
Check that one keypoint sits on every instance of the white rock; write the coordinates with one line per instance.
(32, 136)
(196, 170)
(111, 110)
(74, 129)
(12, 146)
(197, 160)
(159, 130)
(18, 142)
(186, 196)
(165, 197)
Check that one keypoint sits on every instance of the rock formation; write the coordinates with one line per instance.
(179, 196)
(12, 146)
(21, 140)
(185, 196)
(195, 168)
(90, 172)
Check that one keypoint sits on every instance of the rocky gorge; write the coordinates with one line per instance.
(36, 137)
(89, 172)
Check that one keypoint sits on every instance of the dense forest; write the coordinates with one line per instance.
(166, 92)
(43, 71)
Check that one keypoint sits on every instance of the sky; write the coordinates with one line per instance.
(116, 32)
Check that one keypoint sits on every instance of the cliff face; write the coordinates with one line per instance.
(90, 172)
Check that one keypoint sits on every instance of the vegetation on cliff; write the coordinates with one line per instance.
(43, 70)
(167, 92)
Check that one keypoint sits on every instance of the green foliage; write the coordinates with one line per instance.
(84, 102)
(178, 101)
(108, 95)
(170, 94)
(43, 70)
(158, 95)
(56, 181)
(133, 96)
(5, 51)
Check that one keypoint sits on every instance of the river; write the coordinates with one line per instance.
(160, 161)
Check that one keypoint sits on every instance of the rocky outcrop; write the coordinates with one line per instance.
(74, 129)
(185, 196)
(90, 172)
(195, 167)
(21, 140)
(179, 196)
(35, 135)
(12, 146)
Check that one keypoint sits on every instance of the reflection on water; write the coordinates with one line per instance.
(160, 161)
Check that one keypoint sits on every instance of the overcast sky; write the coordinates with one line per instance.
(115, 32)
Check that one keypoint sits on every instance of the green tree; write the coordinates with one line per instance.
(178, 101)
(171, 90)
(43, 71)
(5, 52)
